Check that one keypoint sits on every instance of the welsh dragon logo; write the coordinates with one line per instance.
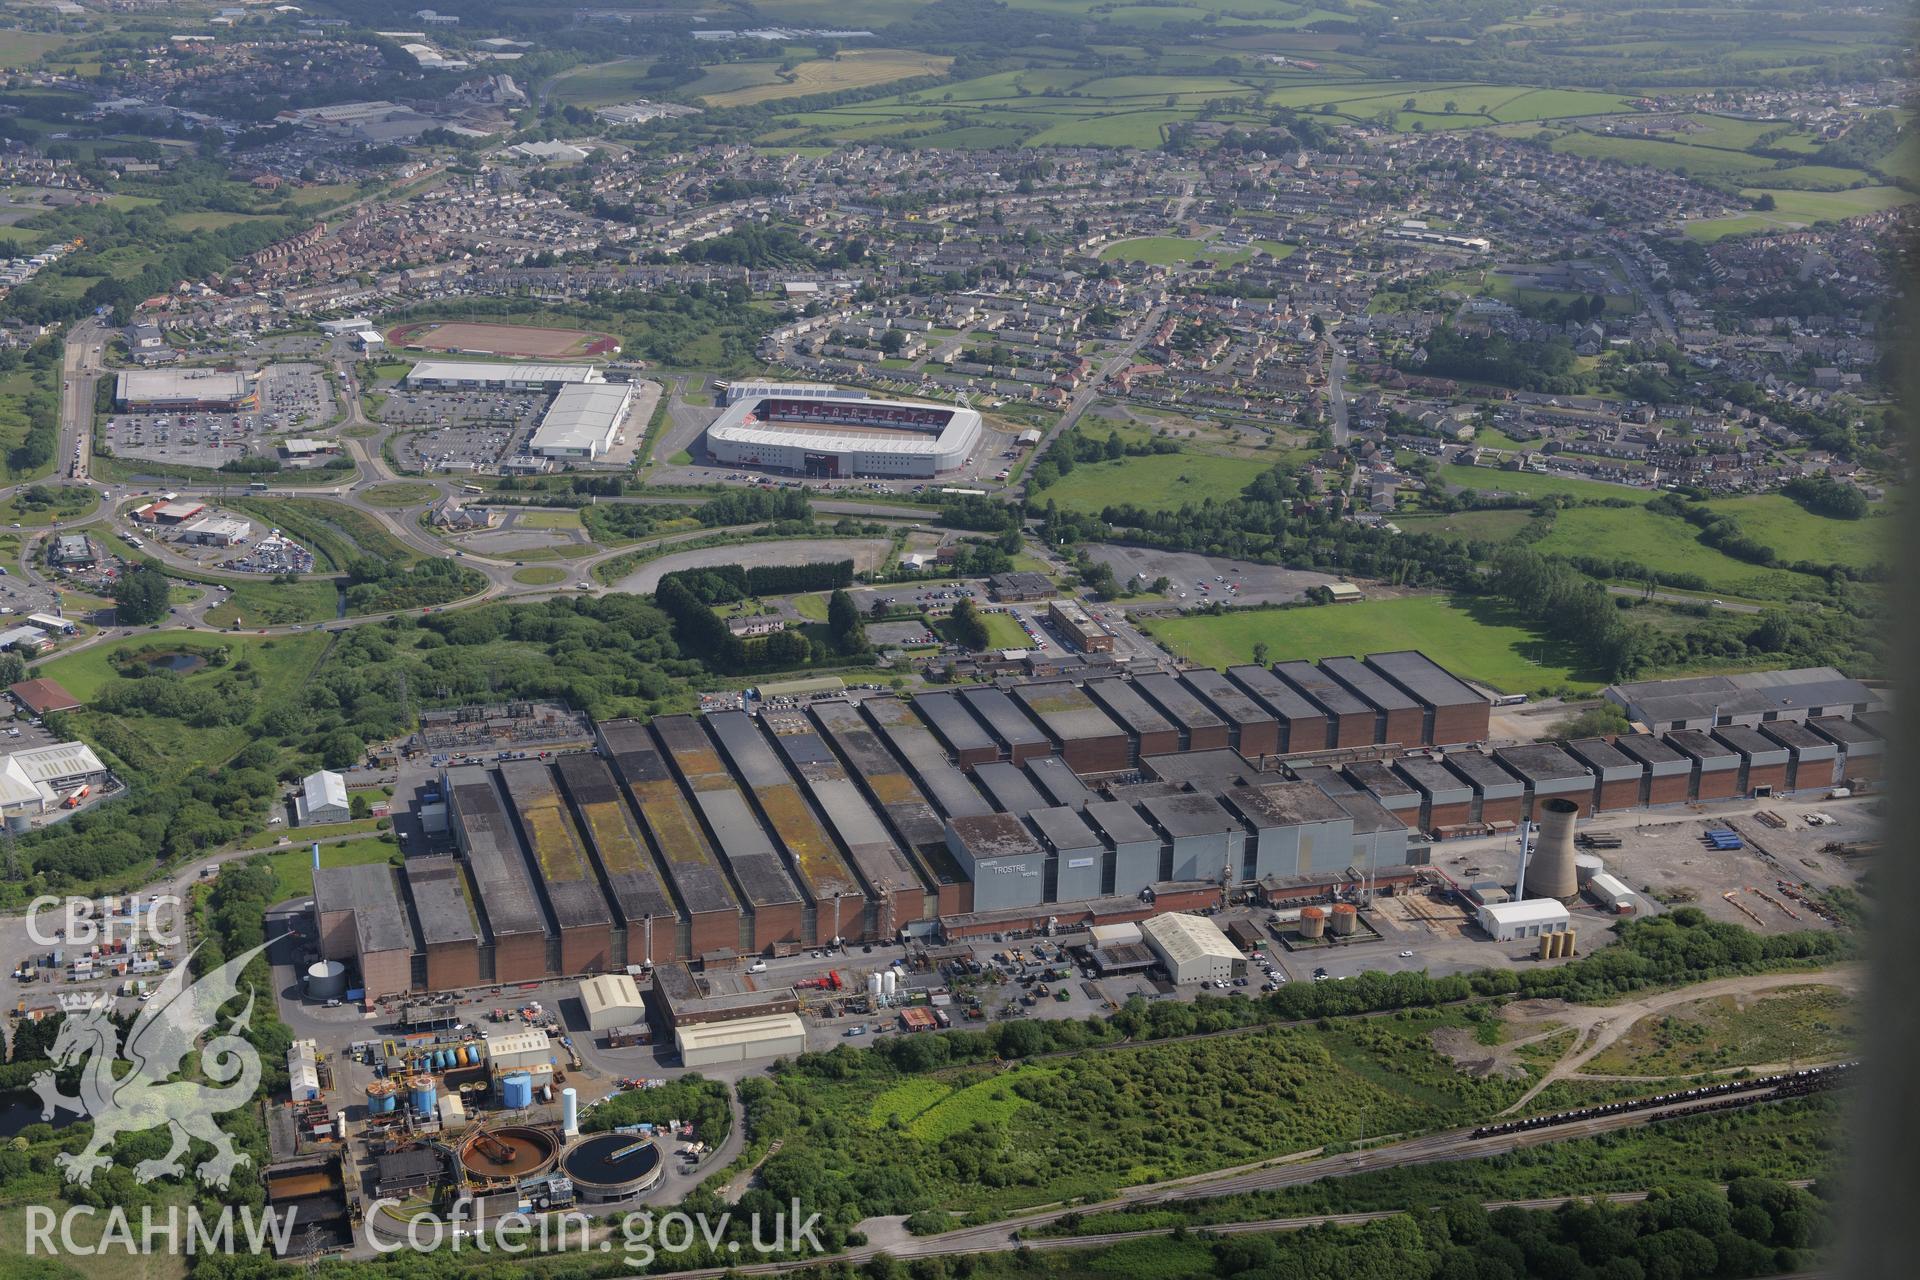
(159, 1045)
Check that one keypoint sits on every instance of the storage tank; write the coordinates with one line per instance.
(1550, 868)
(1586, 866)
(421, 1091)
(1313, 922)
(19, 823)
(890, 984)
(516, 1091)
(1344, 918)
(465, 1056)
(874, 986)
(340, 1125)
(326, 980)
(569, 1112)
(380, 1098)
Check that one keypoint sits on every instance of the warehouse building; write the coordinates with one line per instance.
(1148, 732)
(1251, 728)
(1521, 921)
(40, 778)
(1763, 762)
(1301, 725)
(322, 799)
(1006, 864)
(1397, 718)
(503, 889)
(645, 917)
(841, 436)
(567, 883)
(1616, 775)
(1059, 783)
(359, 921)
(1451, 713)
(1135, 845)
(611, 1000)
(1201, 729)
(1497, 794)
(184, 391)
(1810, 757)
(1193, 949)
(1395, 794)
(1667, 775)
(501, 375)
(217, 531)
(1019, 739)
(1547, 771)
(450, 937)
(1446, 799)
(719, 1044)
(1008, 786)
(1860, 750)
(1297, 829)
(1078, 862)
(1609, 893)
(1202, 840)
(1350, 721)
(583, 423)
(1715, 766)
(964, 737)
(1749, 699)
(679, 999)
(1086, 738)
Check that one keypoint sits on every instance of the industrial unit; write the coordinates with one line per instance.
(1001, 808)
(184, 390)
(583, 422)
(500, 375)
(1749, 699)
(1192, 948)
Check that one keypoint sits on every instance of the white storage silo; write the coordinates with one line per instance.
(874, 987)
(326, 980)
(569, 1112)
(890, 984)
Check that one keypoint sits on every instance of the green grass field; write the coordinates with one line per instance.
(548, 520)
(1798, 534)
(1811, 1024)
(539, 575)
(1156, 482)
(280, 659)
(602, 84)
(293, 868)
(1665, 544)
(266, 604)
(1475, 638)
(1531, 484)
(400, 493)
(1474, 526)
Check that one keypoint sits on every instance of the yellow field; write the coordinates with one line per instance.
(852, 70)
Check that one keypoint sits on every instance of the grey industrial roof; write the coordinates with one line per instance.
(1796, 736)
(1060, 784)
(1647, 749)
(1541, 762)
(822, 872)
(1068, 713)
(1486, 776)
(501, 883)
(1601, 755)
(1877, 722)
(1009, 788)
(749, 852)
(1374, 776)
(1121, 823)
(954, 723)
(1063, 830)
(1325, 777)
(1283, 804)
(614, 838)
(567, 877)
(372, 892)
(1369, 684)
(1697, 745)
(1275, 694)
(995, 836)
(691, 862)
(1854, 737)
(441, 901)
(1424, 678)
(900, 797)
(1368, 814)
(876, 857)
(1128, 707)
(1180, 704)
(949, 789)
(1203, 770)
(1003, 719)
(1321, 688)
(1439, 783)
(1189, 814)
(1700, 697)
(1750, 742)
(1226, 697)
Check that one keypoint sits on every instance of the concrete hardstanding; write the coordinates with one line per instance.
(1252, 729)
(1454, 713)
(1397, 716)
(1351, 719)
(1302, 726)
(1201, 729)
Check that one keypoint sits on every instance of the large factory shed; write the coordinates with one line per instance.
(716, 1044)
(360, 920)
(611, 1000)
(1750, 699)
(583, 422)
(1192, 948)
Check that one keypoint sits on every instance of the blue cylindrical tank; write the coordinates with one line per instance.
(422, 1094)
(516, 1091)
(379, 1098)
(442, 1059)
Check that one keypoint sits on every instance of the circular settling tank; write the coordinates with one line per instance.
(510, 1151)
(612, 1166)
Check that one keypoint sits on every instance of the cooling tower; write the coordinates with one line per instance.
(1551, 871)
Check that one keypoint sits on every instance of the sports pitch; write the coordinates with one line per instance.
(502, 340)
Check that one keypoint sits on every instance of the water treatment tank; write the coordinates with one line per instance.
(1313, 922)
(326, 980)
(516, 1091)
(1550, 868)
(422, 1093)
